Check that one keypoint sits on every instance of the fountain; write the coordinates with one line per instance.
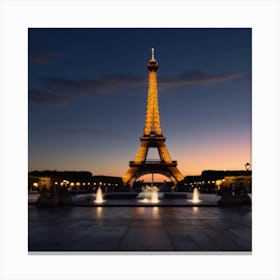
(154, 195)
(99, 196)
(195, 198)
(149, 195)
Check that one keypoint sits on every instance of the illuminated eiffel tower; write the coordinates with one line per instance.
(152, 138)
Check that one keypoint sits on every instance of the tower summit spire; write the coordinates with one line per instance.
(153, 54)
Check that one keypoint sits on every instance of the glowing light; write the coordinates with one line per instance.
(195, 198)
(35, 184)
(195, 210)
(154, 196)
(218, 182)
(247, 166)
(145, 200)
(99, 196)
(153, 54)
(150, 195)
(140, 211)
(155, 212)
(152, 128)
(99, 211)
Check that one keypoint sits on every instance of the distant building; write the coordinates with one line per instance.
(212, 179)
(36, 182)
(70, 179)
(243, 181)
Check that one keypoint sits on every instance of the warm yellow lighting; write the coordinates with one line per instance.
(195, 210)
(78, 184)
(218, 183)
(139, 211)
(72, 184)
(155, 213)
(152, 130)
(195, 198)
(99, 196)
(145, 200)
(35, 185)
(154, 196)
(150, 195)
(99, 211)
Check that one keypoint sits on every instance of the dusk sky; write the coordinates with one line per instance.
(88, 92)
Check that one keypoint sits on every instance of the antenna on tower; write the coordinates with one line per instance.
(153, 54)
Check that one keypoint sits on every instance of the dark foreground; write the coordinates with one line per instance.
(159, 229)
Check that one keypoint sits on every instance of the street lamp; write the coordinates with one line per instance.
(247, 166)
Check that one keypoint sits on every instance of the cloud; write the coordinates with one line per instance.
(94, 132)
(60, 91)
(112, 82)
(45, 98)
(105, 84)
(43, 58)
(195, 77)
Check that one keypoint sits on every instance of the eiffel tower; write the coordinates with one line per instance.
(152, 138)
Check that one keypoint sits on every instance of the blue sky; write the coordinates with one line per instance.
(88, 90)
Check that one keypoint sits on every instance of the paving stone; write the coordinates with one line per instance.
(183, 243)
(145, 239)
(140, 229)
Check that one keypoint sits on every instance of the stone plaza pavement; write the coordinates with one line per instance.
(138, 229)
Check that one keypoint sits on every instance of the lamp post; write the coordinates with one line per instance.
(247, 166)
(248, 185)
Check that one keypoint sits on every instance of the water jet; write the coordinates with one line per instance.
(195, 198)
(99, 196)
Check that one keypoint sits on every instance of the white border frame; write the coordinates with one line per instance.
(17, 16)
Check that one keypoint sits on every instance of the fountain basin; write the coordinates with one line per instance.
(175, 195)
(124, 195)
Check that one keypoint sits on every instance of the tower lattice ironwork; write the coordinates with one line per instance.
(152, 138)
